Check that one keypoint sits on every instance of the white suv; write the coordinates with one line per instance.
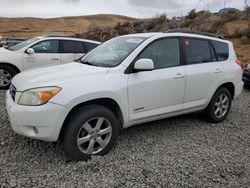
(125, 81)
(40, 51)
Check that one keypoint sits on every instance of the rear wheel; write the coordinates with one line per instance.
(91, 130)
(6, 75)
(219, 107)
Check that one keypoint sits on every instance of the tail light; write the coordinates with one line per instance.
(240, 64)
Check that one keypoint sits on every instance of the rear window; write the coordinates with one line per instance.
(221, 49)
(197, 51)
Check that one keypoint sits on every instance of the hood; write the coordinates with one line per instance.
(3, 50)
(59, 75)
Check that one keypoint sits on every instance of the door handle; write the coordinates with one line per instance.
(179, 76)
(55, 59)
(218, 71)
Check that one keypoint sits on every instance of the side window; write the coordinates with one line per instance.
(221, 50)
(80, 48)
(214, 58)
(197, 51)
(68, 46)
(165, 53)
(90, 46)
(48, 46)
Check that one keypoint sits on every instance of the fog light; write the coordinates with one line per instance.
(35, 130)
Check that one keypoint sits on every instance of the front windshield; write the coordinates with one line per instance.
(112, 52)
(23, 44)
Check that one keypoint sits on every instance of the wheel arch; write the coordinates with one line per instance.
(11, 65)
(109, 103)
(230, 86)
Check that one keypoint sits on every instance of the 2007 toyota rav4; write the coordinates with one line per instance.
(125, 81)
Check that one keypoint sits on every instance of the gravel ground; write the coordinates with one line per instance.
(180, 152)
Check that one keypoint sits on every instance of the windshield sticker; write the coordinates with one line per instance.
(135, 40)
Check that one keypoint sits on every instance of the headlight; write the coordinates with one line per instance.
(38, 96)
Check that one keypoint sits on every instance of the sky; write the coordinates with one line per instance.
(132, 8)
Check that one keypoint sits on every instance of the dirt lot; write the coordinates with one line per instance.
(180, 152)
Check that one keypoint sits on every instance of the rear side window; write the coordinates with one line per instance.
(68, 46)
(80, 48)
(197, 51)
(90, 46)
(221, 49)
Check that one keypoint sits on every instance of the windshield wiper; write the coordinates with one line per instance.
(87, 62)
(7, 48)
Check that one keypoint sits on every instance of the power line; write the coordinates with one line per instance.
(198, 4)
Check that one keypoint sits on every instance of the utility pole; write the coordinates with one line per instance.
(246, 4)
(225, 3)
(207, 5)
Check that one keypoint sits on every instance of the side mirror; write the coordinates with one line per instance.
(30, 51)
(144, 65)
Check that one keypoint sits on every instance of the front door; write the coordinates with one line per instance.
(46, 53)
(161, 91)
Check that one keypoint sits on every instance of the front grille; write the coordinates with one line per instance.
(12, 92)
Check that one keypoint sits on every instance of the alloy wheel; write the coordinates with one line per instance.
(221, 105)
(94, 135)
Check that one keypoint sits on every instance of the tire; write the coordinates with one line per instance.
(247, 86)
(77, 126)
(6, 75)
(212, 114)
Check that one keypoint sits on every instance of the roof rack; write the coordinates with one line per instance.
(55, 35)
(194, 32)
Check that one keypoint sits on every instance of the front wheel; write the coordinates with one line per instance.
(219, 107)
(91, 130)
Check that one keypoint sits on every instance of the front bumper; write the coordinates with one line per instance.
(37, 122)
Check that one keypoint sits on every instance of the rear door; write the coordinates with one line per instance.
(67, 49)
(72, 50)
(46, 53)
(203, 71)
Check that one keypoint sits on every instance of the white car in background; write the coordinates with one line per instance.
(125, 81)
(40, 51)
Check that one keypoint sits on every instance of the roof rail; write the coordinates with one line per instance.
(55, 35)
(194, 32)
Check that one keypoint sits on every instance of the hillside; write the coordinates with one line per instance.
(233, 25)
(30, 27)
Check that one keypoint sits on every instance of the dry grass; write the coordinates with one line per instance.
(30, 27)
(242, 51)
(233, 25)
